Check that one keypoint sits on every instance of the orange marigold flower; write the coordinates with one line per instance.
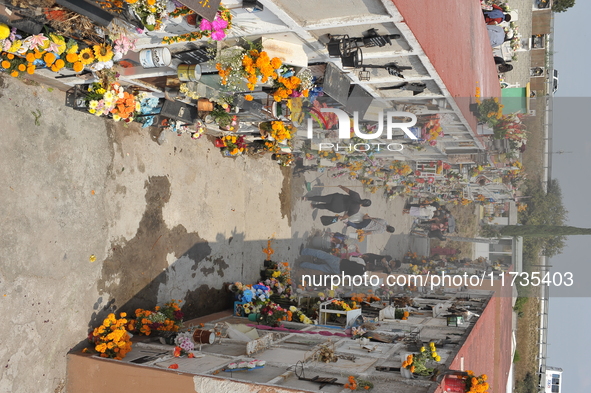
(49, 58)
(248, 97)
(78, 66)
(14, 74)
(30, 57)
(5, 64)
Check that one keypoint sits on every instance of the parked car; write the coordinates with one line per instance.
(554, 81)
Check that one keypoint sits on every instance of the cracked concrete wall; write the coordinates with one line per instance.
(162, 222)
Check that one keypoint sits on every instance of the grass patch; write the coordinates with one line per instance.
(516, 357)
(527, 385)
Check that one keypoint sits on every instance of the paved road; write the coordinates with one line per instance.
(164, 222)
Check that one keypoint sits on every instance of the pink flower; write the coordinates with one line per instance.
(218, 35)
(219, 23)
(205, 25)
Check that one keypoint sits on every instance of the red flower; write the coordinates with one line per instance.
(191, 355)
(174, 366)
(177, 352)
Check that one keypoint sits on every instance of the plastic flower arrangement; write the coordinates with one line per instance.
(272, 314)
(416, 363)
(167, 318)
(216, 30)
(237, 66)
(296, 315)
(113, 101)
(233, 145)
(490, 111)
(122, 45)
(276, 130)
(358, 384)
(476, 384)
(53, 52)
(184, 341)
(111, 338)
(150, 12)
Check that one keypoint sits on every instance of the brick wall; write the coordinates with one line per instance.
(538, 57)
(541, 22)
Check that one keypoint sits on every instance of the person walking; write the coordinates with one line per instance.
(348, 203)
(371, 225)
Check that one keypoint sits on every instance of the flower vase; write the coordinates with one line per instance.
(253, 317)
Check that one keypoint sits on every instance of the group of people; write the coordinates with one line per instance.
(349, 205)
(497, 34)
(435, 219)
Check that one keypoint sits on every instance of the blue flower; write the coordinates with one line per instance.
(247, 295)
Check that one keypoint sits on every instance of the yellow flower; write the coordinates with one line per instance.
(73, 49)
(102, 52)
(102, 347)
(15, 46)
(4, 31)
(86, 56)
(61, 43)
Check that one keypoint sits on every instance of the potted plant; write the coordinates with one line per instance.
(223, 118)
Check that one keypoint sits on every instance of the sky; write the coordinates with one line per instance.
(569, 318)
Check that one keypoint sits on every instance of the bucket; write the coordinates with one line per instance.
(203, 336)
(204, 105)
(189, 72)
(155, 57)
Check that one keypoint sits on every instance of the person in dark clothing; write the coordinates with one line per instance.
(331, 264)
(375, 262)
(349, 203)
(505, 68)
(437, 234)
(496, 16)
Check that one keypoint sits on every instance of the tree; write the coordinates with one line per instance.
(542, 224)
(562, 5)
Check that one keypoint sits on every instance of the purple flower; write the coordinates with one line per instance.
(205, 25)
(218, 35)
(219, 23)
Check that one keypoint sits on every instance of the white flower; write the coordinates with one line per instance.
(261, 363)
(252, 364)
(97, 66)
(117, 56)
(108, 64)
(151, 19)
(232, 366)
